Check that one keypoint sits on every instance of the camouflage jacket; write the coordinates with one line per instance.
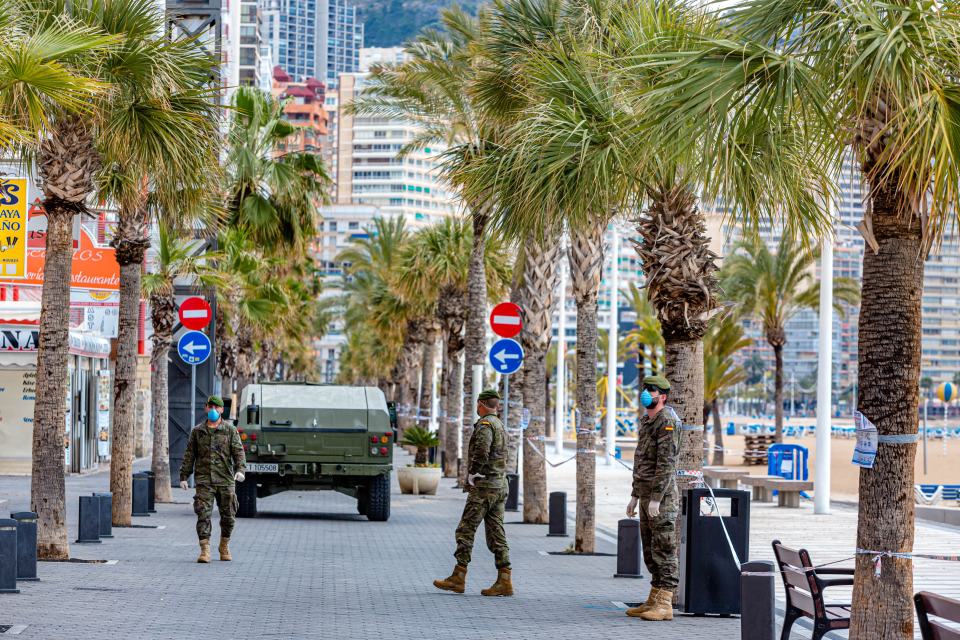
(213, 455)
(488, 453)
(655, 461)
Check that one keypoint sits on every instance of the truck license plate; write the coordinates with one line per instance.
(261, 468)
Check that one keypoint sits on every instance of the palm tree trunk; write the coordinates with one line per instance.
(586, 267)
(161, 309)
(718, 434)
(476, 328)
(888, 361)
(451, 408)
(131, 244)
(47, 486)
(778, 392)
(428, 371)
(684, 370)
(540, 275)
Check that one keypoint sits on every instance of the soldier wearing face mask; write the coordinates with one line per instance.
(655, 491)
(215, 456)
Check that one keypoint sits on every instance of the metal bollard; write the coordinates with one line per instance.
(8, 556)
(105, 499)
(141, 487)
(513, 492)
(26, 545)
(152, 491)
(558, 514)
(758, 619)
(629, 549)
(88, 527)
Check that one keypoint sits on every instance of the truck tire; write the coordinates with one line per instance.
(247, 498)
(378, 498)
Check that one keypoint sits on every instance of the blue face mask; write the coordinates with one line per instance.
(213, 415)
(646, 399)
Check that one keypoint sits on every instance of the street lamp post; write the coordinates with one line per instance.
(612, 346)
(821, 494)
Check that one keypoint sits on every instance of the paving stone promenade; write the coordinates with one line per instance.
(309, 567)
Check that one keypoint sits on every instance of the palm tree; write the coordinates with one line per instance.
(724, 338)
(775, 287)
(436, 267)
(160, 142)
(273, 196)
(432, 90)
(368, 263)
(176, 258)
(57, 90)
(874, 79)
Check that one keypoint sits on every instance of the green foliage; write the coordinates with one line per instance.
(420, 437)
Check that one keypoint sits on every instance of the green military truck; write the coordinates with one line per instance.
(301, 436)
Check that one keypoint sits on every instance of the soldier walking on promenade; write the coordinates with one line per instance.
(655, 489)
(487, 484)
(215, 456)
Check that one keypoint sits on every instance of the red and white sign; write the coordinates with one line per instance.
(195, 313)
(506, 320)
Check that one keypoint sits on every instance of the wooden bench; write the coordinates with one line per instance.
(804, 589)
(728, 478)
(930, 604)
(758, 484)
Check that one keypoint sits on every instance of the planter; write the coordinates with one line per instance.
(419, 480)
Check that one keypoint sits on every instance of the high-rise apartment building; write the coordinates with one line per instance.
(370, 170)
(313, 38)
(251, 36)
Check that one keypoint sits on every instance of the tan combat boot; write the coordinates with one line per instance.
(662, 608)
(204, 551)
(225, 549)
(634, 612)
(502, 587)
(457, 581)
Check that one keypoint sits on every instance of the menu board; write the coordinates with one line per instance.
(17, 393)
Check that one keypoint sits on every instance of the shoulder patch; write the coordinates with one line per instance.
(668, 427)
(485, 423)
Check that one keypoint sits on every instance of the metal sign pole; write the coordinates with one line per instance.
(193, 393)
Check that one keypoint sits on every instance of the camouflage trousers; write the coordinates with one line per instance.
(226, 499)
(484, 505)
(658, 536)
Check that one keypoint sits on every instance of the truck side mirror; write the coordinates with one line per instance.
(253, 414)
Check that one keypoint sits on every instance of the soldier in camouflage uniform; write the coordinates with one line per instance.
(487, 484)
(655, 490)
(215, 456)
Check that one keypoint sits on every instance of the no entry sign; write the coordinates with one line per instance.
(505, 320)
(195, 313)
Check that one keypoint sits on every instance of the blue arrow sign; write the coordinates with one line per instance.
(194, 347)
(506, 356)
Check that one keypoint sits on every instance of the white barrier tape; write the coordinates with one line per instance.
(898, 438)
(878, 557)
(530, 441)
(691, 427)
(586, 450)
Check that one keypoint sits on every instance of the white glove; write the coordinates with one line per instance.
(632, 507)
(653, 508)
(238, 476)
(184, 485)
(471, 478)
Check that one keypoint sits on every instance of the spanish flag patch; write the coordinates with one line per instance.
(669, 428)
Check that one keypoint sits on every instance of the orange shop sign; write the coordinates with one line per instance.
(94, 266)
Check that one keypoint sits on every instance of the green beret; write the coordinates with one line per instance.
(658, 381)
(489, 394)
(216, 401)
